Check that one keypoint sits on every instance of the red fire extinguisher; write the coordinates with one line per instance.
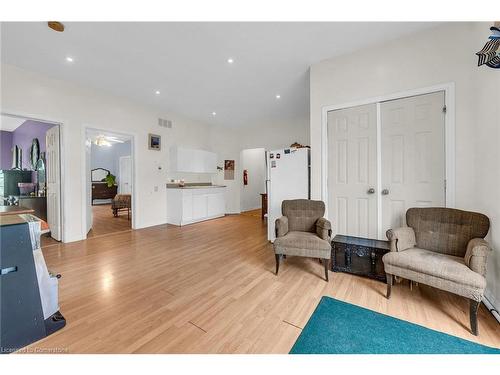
(245, 177)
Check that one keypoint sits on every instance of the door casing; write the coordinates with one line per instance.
(132, 136)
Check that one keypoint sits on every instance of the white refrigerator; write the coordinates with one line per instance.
(288, 177)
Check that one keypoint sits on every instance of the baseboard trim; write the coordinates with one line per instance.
(492, 306)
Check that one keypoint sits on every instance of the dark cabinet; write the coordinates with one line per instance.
(9, 180)
(359, 256)
(100, 190)
(37, 204)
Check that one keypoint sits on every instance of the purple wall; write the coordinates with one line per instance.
(24, 135)
(5, 149)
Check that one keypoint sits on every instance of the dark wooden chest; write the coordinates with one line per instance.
(359, 256)
(100, 190)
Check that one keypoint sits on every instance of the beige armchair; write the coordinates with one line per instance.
(303, 231)
(443, 248)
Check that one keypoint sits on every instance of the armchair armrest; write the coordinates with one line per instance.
(401, 238)
(324, 228)
(281, 226)
(476, 255)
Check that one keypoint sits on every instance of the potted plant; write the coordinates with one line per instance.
(110, 180)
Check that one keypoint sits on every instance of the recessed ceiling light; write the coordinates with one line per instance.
(230, 60)
(278, 96)
(157, 92)
(214, 113)
(69, 59)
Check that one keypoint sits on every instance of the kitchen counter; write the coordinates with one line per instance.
(195, 186)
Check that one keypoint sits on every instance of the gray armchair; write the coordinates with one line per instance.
(443, 248)
(303, 231)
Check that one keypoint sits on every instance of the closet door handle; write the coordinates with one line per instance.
(385, 192)
(370, 191)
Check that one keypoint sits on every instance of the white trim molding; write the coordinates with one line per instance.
(449, 91)
(132, 137)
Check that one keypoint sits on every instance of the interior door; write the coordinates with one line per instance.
(53, 182)
(352, 170)
(125, 175)
(413, 156)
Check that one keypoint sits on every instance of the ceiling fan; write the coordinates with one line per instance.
(106, 140)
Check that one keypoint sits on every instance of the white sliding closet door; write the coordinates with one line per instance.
(352, 170)
(413, 156)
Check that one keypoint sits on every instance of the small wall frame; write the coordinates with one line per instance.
(154, 142)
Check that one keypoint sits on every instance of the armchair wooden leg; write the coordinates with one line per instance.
(277, 257)
(325, 263)
(474, 306)
(389, 285)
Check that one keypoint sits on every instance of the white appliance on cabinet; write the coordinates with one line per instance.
(288, 177)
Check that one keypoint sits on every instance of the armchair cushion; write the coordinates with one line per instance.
(323, 229)
(442, 271)
(401, 238)
(304, 244)
(302, 214)
(477, 254)
(446, 230)
(281, 226)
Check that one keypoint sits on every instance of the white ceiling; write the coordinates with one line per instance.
(8, 123)
(187, 62)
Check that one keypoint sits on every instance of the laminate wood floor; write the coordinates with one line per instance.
(210, 288)
(103, 221)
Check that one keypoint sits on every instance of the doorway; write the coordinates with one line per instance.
(30, 170)
(109, 186)
(253, 183)
(384, 158)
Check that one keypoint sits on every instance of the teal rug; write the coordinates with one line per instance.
(338, 327)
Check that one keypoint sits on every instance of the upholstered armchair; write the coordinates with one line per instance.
(443, 248)
(121, 202)
(303, 231)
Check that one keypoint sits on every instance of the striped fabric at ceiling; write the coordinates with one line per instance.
(489, 52)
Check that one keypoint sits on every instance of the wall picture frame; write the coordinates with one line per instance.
(154, 142)
(228, 169)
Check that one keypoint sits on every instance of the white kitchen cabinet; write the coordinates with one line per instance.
(200, 206)
(193, 204)
(187, 207)
(215, 204)
(192, 161)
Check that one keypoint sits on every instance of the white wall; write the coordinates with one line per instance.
(226, 142)
(486, 173)
(440, 55)
(34, 95)
(38, 96)
(254, 161)
(274, 135)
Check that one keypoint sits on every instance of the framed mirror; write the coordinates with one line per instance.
(98, 174)
(34, 153)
